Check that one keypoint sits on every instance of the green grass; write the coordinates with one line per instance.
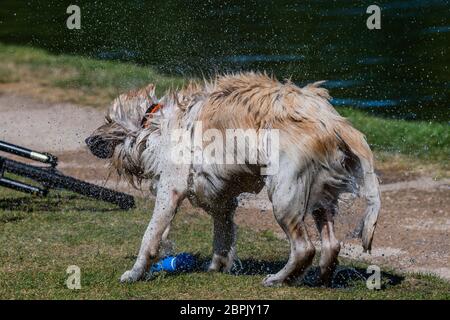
(7, 74)
(418, 139)
(84, 80)
(40, 238)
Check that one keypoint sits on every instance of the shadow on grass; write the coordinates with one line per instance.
(53, 203)
(344, 277)
(11, 218)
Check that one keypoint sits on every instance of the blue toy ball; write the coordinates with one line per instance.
(182, 262)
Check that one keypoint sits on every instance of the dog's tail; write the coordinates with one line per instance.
(371, 193)
(369, 189)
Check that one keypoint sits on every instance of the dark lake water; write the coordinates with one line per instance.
(402, 70)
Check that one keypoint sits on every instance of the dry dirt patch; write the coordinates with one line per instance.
(413, 231)
(46, 127)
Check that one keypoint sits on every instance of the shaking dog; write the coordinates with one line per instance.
(306, 156)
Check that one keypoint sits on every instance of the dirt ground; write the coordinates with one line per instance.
(413, 232)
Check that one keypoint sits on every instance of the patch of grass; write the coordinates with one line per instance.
(83, 80)
(418, 139)
(7, 74)
(40, 238)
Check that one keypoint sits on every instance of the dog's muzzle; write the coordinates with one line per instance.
(99, 147)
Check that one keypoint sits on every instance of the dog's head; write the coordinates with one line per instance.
(123, 119)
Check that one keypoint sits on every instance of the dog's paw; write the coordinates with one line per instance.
(214, 267)
(272, 280)
(221, 263)
(217, 264)
(130, 276)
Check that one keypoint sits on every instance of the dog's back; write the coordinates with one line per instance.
(312, 133)
(309, 126)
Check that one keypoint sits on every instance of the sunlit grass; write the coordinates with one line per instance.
(84, 80)
(418, 139)
(40, 238)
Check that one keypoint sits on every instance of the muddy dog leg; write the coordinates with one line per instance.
(289, 199)
(324, 218)
(300, 258)
(166, 205)
(224, 238)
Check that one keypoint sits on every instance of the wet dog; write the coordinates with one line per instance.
(319, 155)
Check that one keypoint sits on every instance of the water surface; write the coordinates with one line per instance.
(400, 71)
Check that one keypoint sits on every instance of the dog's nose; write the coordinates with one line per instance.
(100, 148)
(89, 141)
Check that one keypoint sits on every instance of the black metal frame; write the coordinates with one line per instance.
(48, 177)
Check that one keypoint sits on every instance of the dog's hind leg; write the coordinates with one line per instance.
(324, 218)
(224, 237)
(289, 198)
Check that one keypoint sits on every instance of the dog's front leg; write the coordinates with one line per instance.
(167, 202)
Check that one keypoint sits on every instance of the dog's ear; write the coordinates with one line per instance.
(150, 92)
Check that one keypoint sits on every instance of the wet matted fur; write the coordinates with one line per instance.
(320, 156)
